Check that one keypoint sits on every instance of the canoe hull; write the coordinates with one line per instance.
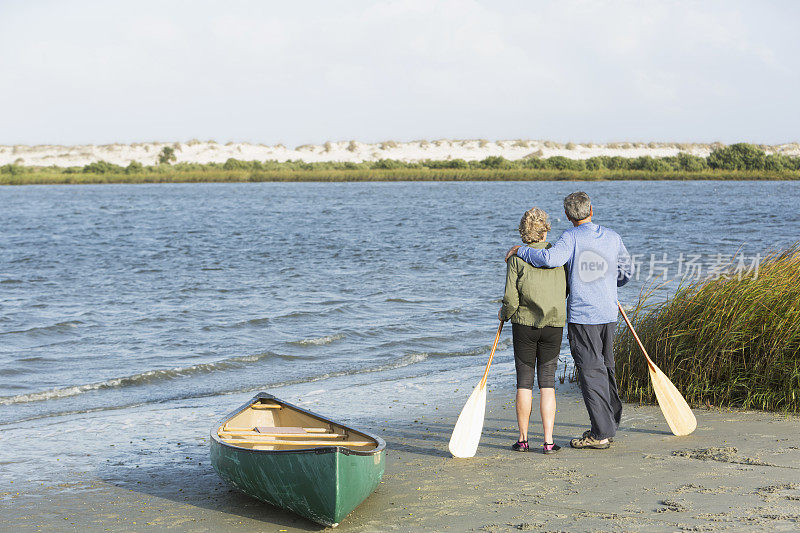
(322, 484)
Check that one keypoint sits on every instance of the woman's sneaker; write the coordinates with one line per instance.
(550, 448)
(520, 446)
(589, 442)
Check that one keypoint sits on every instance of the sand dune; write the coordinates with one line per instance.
(210, 151)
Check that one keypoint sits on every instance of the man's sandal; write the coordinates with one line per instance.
(589, 442)
(588, 433)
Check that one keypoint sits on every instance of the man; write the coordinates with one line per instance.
(597, 263)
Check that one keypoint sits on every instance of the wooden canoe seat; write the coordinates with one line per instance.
(234, 429)
(282, 430)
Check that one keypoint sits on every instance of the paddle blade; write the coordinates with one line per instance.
(467, 433)
(680, 417)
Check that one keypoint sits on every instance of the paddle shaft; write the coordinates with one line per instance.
(635, 336)
(491, 355)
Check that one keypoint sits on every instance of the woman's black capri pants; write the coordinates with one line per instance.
(539, 346)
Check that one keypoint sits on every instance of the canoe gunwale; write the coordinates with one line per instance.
(344, 450)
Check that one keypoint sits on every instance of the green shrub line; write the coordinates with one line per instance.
(725, 342)
(735, 162)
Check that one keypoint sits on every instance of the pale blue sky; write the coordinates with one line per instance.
(311, 71)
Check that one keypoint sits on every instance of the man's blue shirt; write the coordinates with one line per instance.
(597, 263)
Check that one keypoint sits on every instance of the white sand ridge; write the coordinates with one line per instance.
(195, 151)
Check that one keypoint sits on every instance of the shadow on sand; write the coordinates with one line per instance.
(187, 480)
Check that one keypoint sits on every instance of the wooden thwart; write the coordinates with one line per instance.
(319, 443)
(280, 429)
(273, 429)
(225, 434)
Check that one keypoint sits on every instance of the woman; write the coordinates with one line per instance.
(534, 301)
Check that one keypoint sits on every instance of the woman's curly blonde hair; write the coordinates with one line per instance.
(533, 226)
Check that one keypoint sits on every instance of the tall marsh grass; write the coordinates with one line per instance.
(730, 342)
(18, 175)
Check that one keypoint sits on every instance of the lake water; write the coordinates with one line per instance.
(134, 296)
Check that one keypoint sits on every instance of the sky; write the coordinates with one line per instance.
(299, 72)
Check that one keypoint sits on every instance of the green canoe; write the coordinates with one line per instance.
(297, 460)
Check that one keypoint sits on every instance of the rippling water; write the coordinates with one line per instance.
(124, 295)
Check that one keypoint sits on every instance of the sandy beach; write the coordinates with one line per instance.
(738, 471)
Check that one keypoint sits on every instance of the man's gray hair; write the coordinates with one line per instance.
(577, 205)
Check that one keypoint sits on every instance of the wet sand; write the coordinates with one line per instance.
(738, 471)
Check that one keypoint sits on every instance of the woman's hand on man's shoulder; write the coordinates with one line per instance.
(512, 252)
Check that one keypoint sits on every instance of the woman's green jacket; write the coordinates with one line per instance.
(535, 296)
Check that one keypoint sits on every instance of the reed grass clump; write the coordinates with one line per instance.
(732, 341)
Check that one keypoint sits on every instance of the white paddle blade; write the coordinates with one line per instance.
(467, 433)
(679, 415)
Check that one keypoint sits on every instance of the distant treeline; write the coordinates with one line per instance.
(737, 161)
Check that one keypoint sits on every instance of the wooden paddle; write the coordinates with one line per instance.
(679, 416)
(469, 426)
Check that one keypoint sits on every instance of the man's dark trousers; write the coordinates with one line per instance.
(592, 350)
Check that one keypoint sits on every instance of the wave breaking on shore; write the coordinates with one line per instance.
(150, 376)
